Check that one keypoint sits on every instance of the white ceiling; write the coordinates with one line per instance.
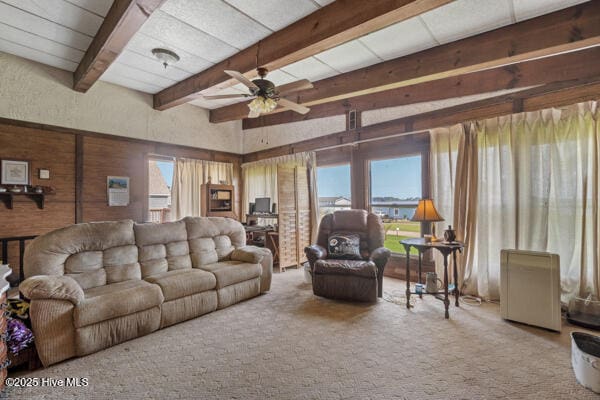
(202, 33)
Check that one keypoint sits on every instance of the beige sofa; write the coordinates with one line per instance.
(94, 285)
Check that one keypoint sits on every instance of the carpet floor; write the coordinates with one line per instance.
(289, 344)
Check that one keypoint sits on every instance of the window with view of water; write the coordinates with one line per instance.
(333, 186)
(160, 181)
(395, 193)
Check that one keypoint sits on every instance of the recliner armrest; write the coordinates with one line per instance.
(52, 287)
(315, 252)
(380, 256)
(249, 254)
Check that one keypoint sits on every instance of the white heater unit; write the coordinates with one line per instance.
(530, 288)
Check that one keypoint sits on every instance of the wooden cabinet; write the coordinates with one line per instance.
(294, 214)
(217, 200)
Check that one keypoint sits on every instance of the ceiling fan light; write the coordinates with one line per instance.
(262, 105)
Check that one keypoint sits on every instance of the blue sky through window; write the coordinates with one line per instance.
(166, 168)
(334, 181)
(396, 177)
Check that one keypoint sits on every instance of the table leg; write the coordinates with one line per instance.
(407, 249)
(456, 291)
(420, 280)
(446, 299)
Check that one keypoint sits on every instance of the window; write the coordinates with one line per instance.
(395, 193)
(333, 186)
(160, 182)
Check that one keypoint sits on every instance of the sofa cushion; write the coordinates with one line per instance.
(162, 247)
(116, 300)
(182, 283)
(213, 239)
(345, 246)
(366, 269)
(231, 272)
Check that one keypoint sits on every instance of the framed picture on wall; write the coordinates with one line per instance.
(14, 172)
(118, 190)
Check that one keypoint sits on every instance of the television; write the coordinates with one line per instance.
(262, 205)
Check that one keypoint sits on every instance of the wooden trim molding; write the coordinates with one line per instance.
(332, 25)
(123, 20)
(566, 30)
(160, 147)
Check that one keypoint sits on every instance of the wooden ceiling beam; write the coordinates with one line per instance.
(552, 95)
(332, 25)
(570, 29)
(123, 20)
(569, 66)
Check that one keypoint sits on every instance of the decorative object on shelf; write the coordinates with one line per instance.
(431, 283)
(426, 212)
(449, 235)
(166, 57)
(15, 189)
(14, 172)
(118, 190)
(38, 189)
(44, 173)
(2, 190)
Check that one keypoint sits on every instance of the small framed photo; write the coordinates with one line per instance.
(14, 172)
(44, 173)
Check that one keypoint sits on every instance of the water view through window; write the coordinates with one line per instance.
(395, 193)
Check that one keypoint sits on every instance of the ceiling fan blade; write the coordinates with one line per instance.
(253, 114)
(226, 96)
(294, 86)
(293, 106)
(242, 79)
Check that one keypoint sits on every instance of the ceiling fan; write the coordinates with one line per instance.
(266, 95)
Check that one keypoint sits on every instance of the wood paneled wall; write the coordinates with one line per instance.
(79, 163)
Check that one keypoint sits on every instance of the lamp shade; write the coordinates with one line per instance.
(426, 212)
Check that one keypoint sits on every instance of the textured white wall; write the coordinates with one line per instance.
(38, 93)
(278, 135)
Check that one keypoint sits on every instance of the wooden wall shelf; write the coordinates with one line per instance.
(7, 198)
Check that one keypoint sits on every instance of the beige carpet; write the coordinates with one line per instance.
(289, 344)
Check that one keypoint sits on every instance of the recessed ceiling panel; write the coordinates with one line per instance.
(27, 22)
(324, 2)
(143, 45)
(61, 12)
(463, 18)
(117, 79)
(311, 69)
(279, 77)
(348, 56)
(219, 20)
(152, 65)
(99, 7)
(176, 33)
(139, 75)
(525, 9)
(36, 55)
(400, 39)
(39, 43)
(275, 14)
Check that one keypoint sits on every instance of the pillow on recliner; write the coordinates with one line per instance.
(345, 246)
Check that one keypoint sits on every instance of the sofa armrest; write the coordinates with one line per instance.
(249, 254)
(53, 288)
(315, 252)
(380, 257)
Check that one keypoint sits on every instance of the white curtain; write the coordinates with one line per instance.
(188, 176)
(534, 186)
(260, 180)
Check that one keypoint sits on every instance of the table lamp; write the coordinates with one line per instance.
(426, 212)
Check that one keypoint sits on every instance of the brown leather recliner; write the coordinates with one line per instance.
(360, 280)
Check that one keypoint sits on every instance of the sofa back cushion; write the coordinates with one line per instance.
(94, 254)
(213, 239)
(162, 247)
